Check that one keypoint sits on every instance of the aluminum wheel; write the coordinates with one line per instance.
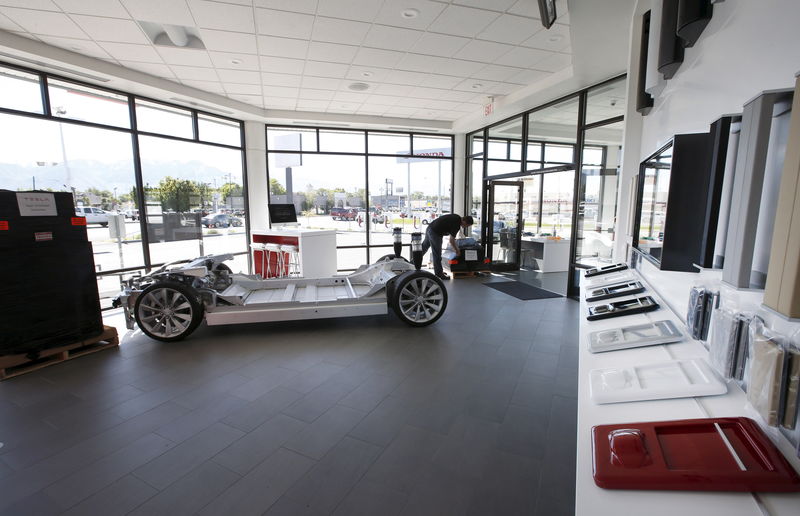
(420, 298)
(167, 311)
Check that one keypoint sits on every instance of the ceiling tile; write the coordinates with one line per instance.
(492, 5)
(213, 15)
(445, 104)
(426, 93)
(474, 85)
(108, 29)
(284, 24)
(526, 8)
(110, 8)
(375, 57)
(281, 65)
(321, 83)
(280, 79)
(279, 103)
(462, 21)
(390, 13)
(404, 77)
(339, 31)
(210, 86)
(321, 69)
(511, 29)
(235, 61)
(185, 56)
(440, 81)
(439, 45)
(349, 96)
(243, 89)
(391, 38)
(42, 22)
(554, 63)
(331, 52)
(408, 102)
(527, 77)
(555, 39)
(297, 6)
(239, 76)
(459, 96)
(496, 72)
(523, 57)
(400, 111)
(383, 100)
(312, 104)
(159, 11)
(485, 51)
(254, 100)
(43, 5)
(504, 88)
(394, 89)
(131, 52)
(7, 24)
(194, 73)
(81, 46)
(226, 41)
(363, 10)
(370, 73)
(282, 47)
(368, 109)
(309, 94)
(280, 91)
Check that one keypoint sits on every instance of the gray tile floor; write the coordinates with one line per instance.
(474, 415)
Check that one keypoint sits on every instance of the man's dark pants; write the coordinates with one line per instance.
(433, 241)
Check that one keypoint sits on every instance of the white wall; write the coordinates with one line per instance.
(748, 46)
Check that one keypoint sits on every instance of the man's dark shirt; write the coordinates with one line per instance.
(446, 225)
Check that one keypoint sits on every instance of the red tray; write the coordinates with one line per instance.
(721, 454)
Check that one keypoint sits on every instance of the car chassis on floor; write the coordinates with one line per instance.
(171, 302)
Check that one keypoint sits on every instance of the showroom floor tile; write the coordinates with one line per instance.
(473, 415)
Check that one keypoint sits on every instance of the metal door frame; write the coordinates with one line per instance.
(487, 227)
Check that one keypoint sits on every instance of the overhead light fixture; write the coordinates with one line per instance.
(366, 74)
(358, 86)
(46, 66)
(176, 36)
(409, 13)
(236, 61)
(555, 38)
(477, 86)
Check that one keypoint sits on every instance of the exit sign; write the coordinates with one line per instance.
(488, 108)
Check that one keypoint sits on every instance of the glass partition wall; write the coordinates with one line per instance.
(157, 168)
(571, 156)
(361, 184)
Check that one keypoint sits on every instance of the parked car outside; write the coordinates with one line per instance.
(93, 215)
(344, 213)
(131, 214)
(216, 220)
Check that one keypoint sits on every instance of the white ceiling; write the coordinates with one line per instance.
(303, 54)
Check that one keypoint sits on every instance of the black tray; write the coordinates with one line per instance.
(626, 288)
(622, 308)
(597, 271)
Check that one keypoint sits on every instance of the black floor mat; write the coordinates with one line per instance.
(521, 290)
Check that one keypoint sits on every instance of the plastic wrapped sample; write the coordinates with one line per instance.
(792, 388)
(694, 313)
(723, 343)
(743, 344)
(766, 376)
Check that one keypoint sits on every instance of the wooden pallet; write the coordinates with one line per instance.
(463, 274)
(15, 365)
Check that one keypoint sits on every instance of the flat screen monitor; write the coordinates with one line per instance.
(282, 214)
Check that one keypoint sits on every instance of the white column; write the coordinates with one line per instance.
(459, 183)
(257, 188)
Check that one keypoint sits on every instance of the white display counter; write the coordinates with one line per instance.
(595, 501)
(551, 255)
(316, 249)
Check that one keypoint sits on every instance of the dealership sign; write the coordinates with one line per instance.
(425, 155)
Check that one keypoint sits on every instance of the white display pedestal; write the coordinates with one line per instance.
(551, 255)
(316, 249)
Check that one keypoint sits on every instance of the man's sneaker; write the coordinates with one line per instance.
(443, 276)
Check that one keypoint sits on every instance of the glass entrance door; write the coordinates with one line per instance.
(502, 231)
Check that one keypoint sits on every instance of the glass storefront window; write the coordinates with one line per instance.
(475, 144)
(387, 143)
(218, 130)
(77, 102)
(436, 146)
(557, 192)
(341, 141)
(605, 101)
(21, 90)
(153, 117)
(285, 139)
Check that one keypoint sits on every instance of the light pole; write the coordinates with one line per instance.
(60, 110)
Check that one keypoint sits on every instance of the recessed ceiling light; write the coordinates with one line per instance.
(409, 13)
(366, 74)
(477, 85)
(236, 61)
(358, 86)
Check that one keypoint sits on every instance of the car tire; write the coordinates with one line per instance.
(418, 298)
(387, 257)
(179, 314)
